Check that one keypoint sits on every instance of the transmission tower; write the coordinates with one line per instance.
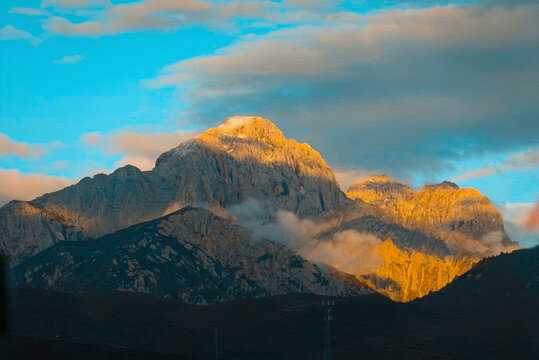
(327, 305)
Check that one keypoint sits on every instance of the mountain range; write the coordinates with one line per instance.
(241, 211)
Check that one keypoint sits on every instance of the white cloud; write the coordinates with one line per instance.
(70, 59)
(140, 150)
(519, 222)
(348, 251)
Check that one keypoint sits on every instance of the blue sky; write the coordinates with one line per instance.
(424, 91)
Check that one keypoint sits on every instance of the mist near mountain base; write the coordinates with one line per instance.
(348, 251)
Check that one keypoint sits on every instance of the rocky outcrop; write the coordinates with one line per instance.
(191, 254)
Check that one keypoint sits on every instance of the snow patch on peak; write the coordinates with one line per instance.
(237, 121)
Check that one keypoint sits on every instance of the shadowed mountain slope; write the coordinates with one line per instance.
(493, 315)
(191, 254)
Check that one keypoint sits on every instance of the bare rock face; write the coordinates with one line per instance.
(33, 229)
(191, 254)
(407, 274)
(463, 218)
(244, 158)
(249, 158)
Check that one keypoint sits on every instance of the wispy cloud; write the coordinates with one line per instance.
(70, 59)
(28, 11)
(10, 32)
(153, 15)
(140, 150)
(23, 149)
(526, 160)
(75, 3)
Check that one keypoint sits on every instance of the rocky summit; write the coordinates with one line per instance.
(175, 230)
(463, 218)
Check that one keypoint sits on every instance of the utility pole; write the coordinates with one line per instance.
(327, 305)
(216, 352)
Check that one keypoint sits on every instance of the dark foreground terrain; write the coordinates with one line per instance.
(490, 312)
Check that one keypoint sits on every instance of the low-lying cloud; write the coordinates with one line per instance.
(518, 222)
(349, 251)
(494, 241)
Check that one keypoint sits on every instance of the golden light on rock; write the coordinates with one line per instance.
(407, 275)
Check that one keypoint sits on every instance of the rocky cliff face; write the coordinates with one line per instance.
(406, 274)
(244, 158)
(190, 254)
(463, 218)
(249, 158)
(408, 263)
(26, 230)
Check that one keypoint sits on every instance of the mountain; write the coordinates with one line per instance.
(244, 158)
(463, 218)
(400, 242)
(191, 254)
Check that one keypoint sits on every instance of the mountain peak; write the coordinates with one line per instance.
(444, 185)
(248, 127)
(376, 184)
